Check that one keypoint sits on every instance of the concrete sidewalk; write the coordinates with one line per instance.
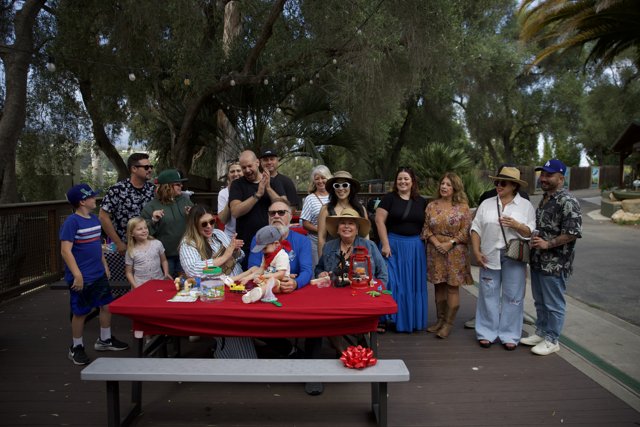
(602, 346)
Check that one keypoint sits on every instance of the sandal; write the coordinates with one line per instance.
(484, 343)
(509, 346)
(382, 328)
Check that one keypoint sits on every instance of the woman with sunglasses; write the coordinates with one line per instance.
(313, 203)
(343, 192)
(446, 231)
(399, 220)
(166, 215)
(204, 245)
(502, 282)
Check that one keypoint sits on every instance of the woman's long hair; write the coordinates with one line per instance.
(353, 200)
(459, 196)
(414, 181)
(165, 194)
(192, 234)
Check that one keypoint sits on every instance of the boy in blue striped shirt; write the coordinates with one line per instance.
(86, 272)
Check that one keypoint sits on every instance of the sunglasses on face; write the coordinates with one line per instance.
(339, 185)
(501, 183)
(211, 223)
(145, 167)
(280, 212)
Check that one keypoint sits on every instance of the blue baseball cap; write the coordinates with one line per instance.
(266, 235)
(553, 166)
(80, 192)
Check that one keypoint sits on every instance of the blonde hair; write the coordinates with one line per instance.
(318, 170)
(131, 241)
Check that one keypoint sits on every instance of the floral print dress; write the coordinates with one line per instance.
(448, 222)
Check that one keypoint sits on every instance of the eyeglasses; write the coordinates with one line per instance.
(145, 167)
(500, 183)
(211, 223)
(339, 185)
(280, 212)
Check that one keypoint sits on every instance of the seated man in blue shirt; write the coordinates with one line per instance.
(300, 253)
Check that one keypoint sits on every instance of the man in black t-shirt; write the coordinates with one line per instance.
(249, 199)
(269, 161)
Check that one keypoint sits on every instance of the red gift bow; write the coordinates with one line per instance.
(358, 357)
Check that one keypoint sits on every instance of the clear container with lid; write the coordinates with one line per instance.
(211, 285)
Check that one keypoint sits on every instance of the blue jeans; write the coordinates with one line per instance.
(548, 293)
(501, 302)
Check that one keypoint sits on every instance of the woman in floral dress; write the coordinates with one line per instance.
(446, 231)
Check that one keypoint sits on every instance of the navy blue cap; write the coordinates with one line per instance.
(80, 192)
(268, 153)
(553, 166)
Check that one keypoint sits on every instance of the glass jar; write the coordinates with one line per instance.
(211, 285)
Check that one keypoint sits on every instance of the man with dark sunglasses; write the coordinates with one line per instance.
(125, 199)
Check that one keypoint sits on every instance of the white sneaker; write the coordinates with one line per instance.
(532, 340)
(252, 296)
(545, 348)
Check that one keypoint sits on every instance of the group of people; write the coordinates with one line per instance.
(161, 234)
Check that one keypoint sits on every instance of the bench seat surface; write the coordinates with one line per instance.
(241, 370)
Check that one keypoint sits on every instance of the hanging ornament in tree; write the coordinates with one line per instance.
(266, 81)
(293, 79)
(232, 82)
(51, 64)
(278, 110)
(317, 75)
(335, 61)
(187, 81)
(132, 76)
(311, 81)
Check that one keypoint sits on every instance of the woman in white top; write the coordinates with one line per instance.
(500, 303)
(204, 245)
(317, 198)
(234, 172)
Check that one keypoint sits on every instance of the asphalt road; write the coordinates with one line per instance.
(606, 271)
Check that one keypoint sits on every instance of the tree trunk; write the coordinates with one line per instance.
(102, 140)
(16, 65)
(394, 154)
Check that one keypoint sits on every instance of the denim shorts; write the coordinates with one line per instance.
(92, 295)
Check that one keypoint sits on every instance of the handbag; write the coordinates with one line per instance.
(230, 264)
(516, 249)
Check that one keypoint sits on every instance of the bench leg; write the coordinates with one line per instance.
(379, 402)
(113, 404)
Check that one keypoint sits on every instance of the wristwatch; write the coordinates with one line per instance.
(453, 243)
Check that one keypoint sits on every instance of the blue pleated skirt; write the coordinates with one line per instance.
(408, 281)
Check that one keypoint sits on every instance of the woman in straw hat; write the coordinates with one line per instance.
(446, 231)
(351, 231)
(502, 280)
(343, 191)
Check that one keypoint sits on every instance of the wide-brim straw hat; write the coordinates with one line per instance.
(343, 176)
(509, 173)
(364, 226)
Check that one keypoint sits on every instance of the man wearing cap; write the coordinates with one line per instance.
(300, 258)
(166, 215)
(250, 197)
(269, 161)
(125, 199)
(559, 224)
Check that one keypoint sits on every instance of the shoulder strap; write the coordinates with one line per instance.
(407, 209)
(504, 236)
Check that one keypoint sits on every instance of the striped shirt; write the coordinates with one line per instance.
(311, 208)
(85, 234)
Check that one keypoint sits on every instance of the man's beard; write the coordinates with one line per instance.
(283, 229)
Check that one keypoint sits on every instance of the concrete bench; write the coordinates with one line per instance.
(113, 370)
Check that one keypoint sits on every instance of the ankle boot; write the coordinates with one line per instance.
(448, 322)
(441, 309)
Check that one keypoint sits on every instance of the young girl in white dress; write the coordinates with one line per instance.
(145, 259)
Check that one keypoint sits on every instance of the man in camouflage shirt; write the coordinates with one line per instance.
(559, 224)
(125, 199)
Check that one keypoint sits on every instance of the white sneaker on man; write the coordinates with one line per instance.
(532, 340)
(545, 348)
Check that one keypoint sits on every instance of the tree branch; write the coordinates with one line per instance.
(267, 31)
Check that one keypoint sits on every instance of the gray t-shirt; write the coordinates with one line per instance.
(146, 262)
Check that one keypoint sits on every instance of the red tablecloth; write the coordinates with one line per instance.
(307, 312)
